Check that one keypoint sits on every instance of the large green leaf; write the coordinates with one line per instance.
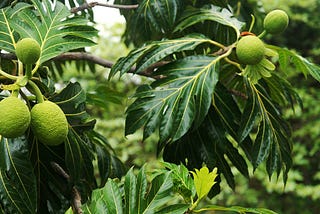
(151, 20)
(137, 197)
(208, 144)
(155, 51)
(238, 209)
(18, 189)
(50, 24)
(272, 141)
(222, 16)
(302, 64)
(175, 102)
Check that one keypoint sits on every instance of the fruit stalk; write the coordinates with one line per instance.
(36, 90)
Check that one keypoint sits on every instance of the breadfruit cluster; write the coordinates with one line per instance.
(47, 121)
(28, 51)
(250, 50)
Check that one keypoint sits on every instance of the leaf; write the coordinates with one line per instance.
(153, 19)
(239, 209)
(49, 24)
(105, 200)
(159, 194)
(182, 181)
(272, 140)
(204, 180)
(155, 51)
(18, 189)
(207, 144)
(302, 64)
(175, 102)
(138, 198)
(222, 16)
(160, 14)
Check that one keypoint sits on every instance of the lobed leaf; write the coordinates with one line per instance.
(204, 180)
(155, 51)
(175, 102)
(302, 64)
(222, 16)
(18, 187)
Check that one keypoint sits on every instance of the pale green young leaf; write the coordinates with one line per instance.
(204, 181)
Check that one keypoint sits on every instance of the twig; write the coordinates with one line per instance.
(94, 59)
(107, 63)
(93, 4)
(76, 203)
(59, 170)
(238, 93)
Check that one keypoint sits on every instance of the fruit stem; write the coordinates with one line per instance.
(252, 22)
(9, 76)
(20, 66)
(15, 93)
(37, 91)
(28, 71)
(217, 44)
(262, 34)
(233, 63)
(35, 69)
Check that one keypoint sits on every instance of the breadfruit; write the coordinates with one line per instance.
(276, 21)
(28, 51)
(14, 117)
(250, 50)
(48, 123)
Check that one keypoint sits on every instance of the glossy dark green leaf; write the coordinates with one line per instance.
(134, 195)
(208, 144)
(18, 187)
(239, 209)
(174, 209)
(152, 20)
(175, 102)
(105, 200)
(155, 51)
(272, 141)
(131, 194)
(302, 64)
(222, 16)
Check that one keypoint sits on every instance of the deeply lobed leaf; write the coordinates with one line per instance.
(177, 101)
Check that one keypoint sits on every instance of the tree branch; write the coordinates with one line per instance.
(93, 4)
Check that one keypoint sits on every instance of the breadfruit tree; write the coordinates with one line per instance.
(215, 99)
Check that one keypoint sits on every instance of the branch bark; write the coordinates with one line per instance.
(90, 5)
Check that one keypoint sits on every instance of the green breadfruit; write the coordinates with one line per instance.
(250, 50)
(276, 21)
(28, 51)
(14, 117)
(48, 123)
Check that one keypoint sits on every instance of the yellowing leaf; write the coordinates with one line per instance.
(204, 180)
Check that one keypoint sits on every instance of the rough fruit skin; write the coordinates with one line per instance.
(48, 123)
(250, 50)
(14, 117)
(276, 21)
(28, 51)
